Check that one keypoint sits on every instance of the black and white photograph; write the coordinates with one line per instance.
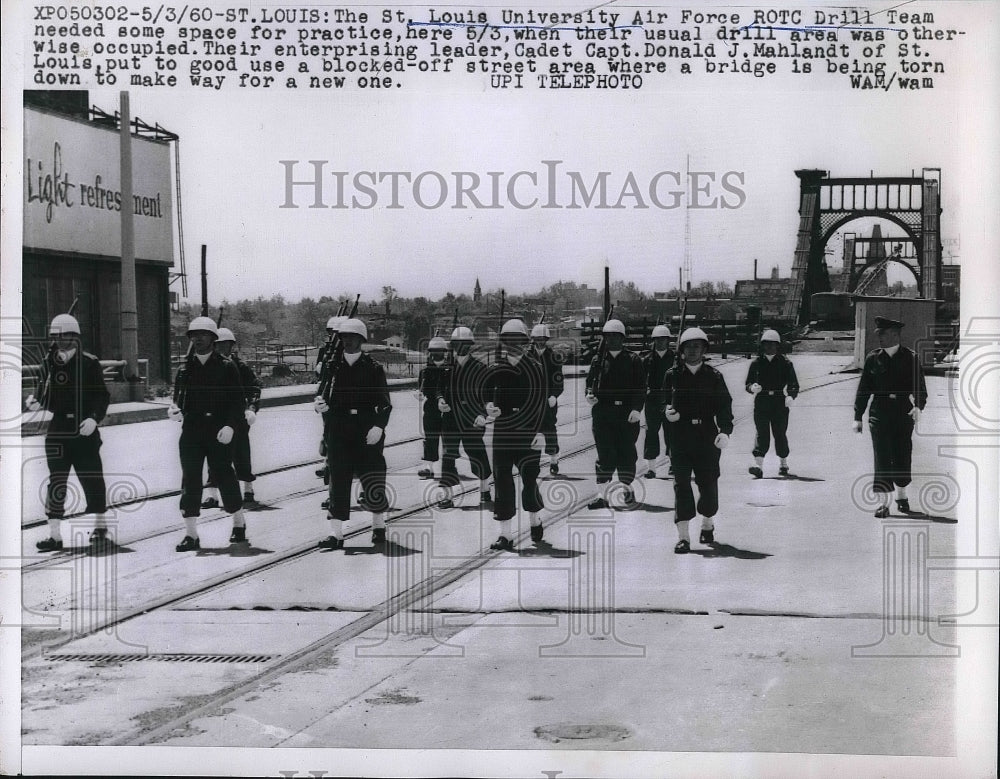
(508, 390)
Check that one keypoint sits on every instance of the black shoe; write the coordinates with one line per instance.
(361, 499)
(99, 537)
(599, 503)
(650, 474)
(188, 544)
(249, 498)
(49, 545)
(783, 470)
(503, 543)
(378, 535)
(321, 473)
(325, 505)
(554, 469)
(707, 537)
(425, 473)
(331, 543)
(756, 472)
(682, 547)
(210, 503)
(485, 497)
(670, 471)
(881, 512)
(447, 503)
(238, 536)
(903, 504)
(536, 533)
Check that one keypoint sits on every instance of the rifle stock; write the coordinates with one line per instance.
(602, 353)
(679, 357)
(334, 354)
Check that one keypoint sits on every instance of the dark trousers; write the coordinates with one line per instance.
(512, 449)
(197, 445)
(655, 423)
(695, 453)
(348, 456)
(615, 438)
(771, 416)
(239, 449)
(471, 441)
(432, 431)
(892, 442)
(549, 431)
(65, 448)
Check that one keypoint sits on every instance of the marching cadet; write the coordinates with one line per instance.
(431, 377)
(463, 421)
(893, 379)
(73, 390)
(540, 335)
(240, 447)
(355, 407)
(208, 401)
(701, 412)
(659, 360)
(616, 390)
(518, 388)
(772, 381)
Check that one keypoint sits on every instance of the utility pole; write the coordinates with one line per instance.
(129, 316)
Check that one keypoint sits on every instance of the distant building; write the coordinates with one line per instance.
(395, 341)
(769, 294)
(477, 293)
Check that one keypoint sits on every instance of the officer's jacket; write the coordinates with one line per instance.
(773, 376)
(252, 386)
(702, 399)
(552, 368)
(75, 388)
(889, 382)
(622, 382)
(656, 371)
(520, 391)
(464, 390)
(361, 391)
(211, 391)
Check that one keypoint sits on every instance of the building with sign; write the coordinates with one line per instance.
(72, 227)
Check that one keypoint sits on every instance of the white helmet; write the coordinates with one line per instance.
(770, 335)
(614, 326)
(514, 327)
(462, 334)
(355, 326)
(541, 331)
(225, 334)
(692, 334)
(661, 331)
(333, 323)
(437, 343)
(64, 324)
(203, 323)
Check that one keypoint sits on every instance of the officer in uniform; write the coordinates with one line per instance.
(771, 380)
(208, 400)
(332, 326)
(355, 408)
(463, 416)
(894, 381)
(240, 447)
(540, 335)
(518, 390)
(431, 377)
(73, 390)
(659, 360)
(616, 390)
(700, 409)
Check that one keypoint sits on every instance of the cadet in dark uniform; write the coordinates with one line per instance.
(893, 379)
(616, 390)
(208, 400)
(553, 370)
(518, 388)
(332, 326)
(463, 416)
(73, 390)
(701, 412)
(772, 381)
(659, 360)
(431, 377)
(355, 411)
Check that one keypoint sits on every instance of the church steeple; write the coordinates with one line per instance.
(477, 293)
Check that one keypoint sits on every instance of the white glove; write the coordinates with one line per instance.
(88, 426)
(857, 426)
(590, 399)
(915, 414)
(225, 435)
(755, 388)
(418, 395)
(250, 417)
(374, 436)
(175, 414)
(552, 401)
(671, 414)
(538, 442)
(721, 441)
(443, 407)
(479, 421)
(492, 410)
(320, 406)
(633, 417)
(789, 401)
(31, 403)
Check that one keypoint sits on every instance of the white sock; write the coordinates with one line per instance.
(682, 530)
(707, 523)
(483, 485)
(883, 498)
(336, 527)
(191, 526)
(238, 519)
(378, 520)
(55, 529)
(211, 492)
(554, 459)
(534, 519)
(759, 461)
(100, 522)
(900, 493)
(247, 486)
(784, 463)
(505, 528)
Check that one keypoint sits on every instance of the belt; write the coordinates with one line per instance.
(694, 421)
(207, 414)
(64, 416)
(617, 402)
(892, 396)
(517, 408)
(772, 392)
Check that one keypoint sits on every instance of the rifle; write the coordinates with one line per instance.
(218, 322)
(334, 354)
(499, 352)
(679, 357)
(602, 353)
(50, 361)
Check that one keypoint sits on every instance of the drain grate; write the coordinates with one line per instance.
(159, 657)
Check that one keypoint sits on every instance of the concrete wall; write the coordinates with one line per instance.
(918, 317)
